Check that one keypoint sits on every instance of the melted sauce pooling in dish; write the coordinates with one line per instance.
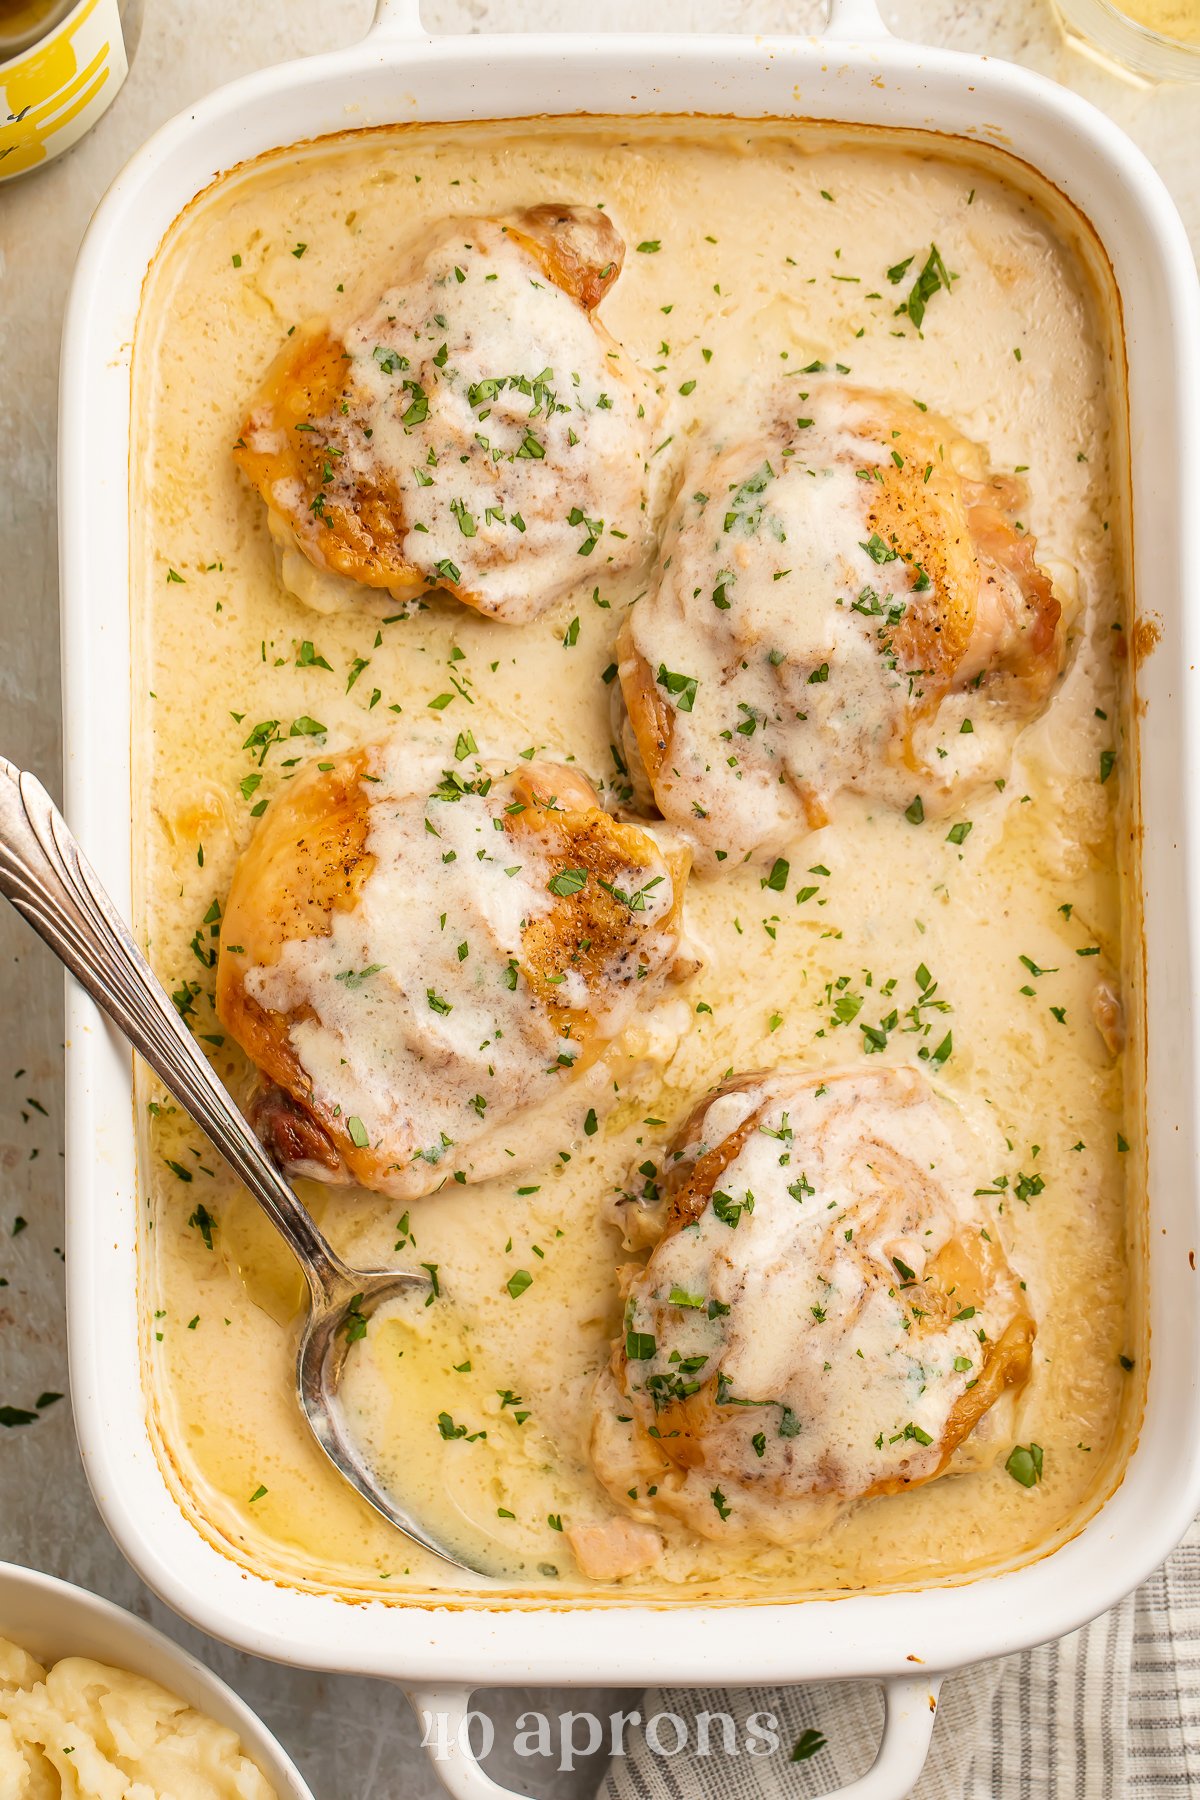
(983, 948)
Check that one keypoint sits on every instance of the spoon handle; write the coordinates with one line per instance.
(50, 882)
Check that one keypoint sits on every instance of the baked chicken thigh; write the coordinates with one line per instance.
(421, 962)
(825, 1317)
(844, 600)
(474, 429)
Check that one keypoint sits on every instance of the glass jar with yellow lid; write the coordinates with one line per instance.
(1158, 39)
(62, 63)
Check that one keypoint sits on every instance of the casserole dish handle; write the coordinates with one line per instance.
(910, 1703)
(856, 20)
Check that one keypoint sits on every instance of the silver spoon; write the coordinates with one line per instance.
(50, 882)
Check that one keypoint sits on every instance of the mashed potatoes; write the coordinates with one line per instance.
(83, 1731)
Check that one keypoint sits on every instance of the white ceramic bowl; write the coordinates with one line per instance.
(51, 1619)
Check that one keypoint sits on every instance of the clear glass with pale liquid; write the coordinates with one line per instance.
(1155, 38)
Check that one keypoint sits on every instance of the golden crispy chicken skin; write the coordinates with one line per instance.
(424, 963)
(843, 601)
(823, 1318)
(474, 428)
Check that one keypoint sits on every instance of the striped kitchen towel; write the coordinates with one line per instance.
(1109, 1713)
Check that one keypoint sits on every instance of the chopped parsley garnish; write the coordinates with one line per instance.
(594, 529)
(203, 1222)
(354, 978)
(914, 1433)
(16, 1415)
(811, 1741)
(729, 1210)
(636, 902)
(567, 882)
(746, 505)
(390, 361)
(682, 688)
(933, 279)
(1025, 1464)
(418, 411)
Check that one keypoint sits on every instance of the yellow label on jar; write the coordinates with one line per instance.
(51, 94)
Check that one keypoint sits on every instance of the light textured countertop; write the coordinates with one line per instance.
(354, 1740)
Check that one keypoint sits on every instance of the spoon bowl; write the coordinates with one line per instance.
(49, 881)
(330, 1328)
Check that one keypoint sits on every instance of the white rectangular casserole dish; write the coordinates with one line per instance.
(856, 74)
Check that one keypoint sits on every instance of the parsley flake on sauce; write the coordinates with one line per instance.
(877, 550)
(1025, 1464)
(934, 278)
(682, 688)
